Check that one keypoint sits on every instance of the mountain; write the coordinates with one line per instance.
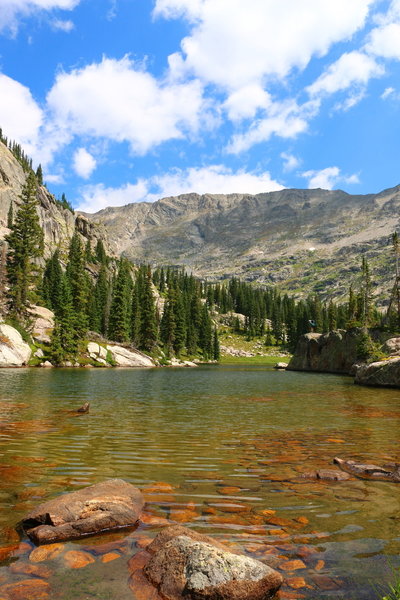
(302, 240)
(58, 223)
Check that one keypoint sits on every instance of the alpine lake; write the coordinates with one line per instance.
(218, 448)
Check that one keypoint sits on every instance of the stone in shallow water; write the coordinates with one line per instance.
(76, 559)
(188, 566)
(48, 552)
(108, 505)
(28, 589)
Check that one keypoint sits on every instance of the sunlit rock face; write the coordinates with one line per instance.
(57, 222)
(14, 352)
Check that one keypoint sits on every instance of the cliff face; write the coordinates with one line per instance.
(333, 352)
(58, 223)
(305, 241)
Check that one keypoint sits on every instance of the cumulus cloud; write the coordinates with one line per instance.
(234, 43)
(13, 10)
(352, 68)
(291, 162)
(328, 178)
(244, 103)
(284, 119)
(96, 197)
(84, 163)
(385, 41)
(61, 25)
(21, 116)
(213, 179)
(119, 100)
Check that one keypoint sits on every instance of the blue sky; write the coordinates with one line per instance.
(130, 100)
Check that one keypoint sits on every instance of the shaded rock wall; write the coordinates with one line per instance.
(385, 373)
(333, 352)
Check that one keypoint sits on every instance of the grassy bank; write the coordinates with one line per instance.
(253, 360)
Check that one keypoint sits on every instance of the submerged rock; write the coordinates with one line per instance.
(326, 475)
(14, 352)
(389, 472)
(184, 564)
(108, 505)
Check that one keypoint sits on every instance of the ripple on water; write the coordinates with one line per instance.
(226, 447)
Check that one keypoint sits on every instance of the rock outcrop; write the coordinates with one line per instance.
(333, 352)
(43, 323)
(111, 504)
(14, 352)
(58, 223)
(183, 564)
(122, 357)
(384, 373)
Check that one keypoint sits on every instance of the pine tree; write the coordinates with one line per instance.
(216, 348)
(39, 175)
(120, 312)
(148, 320)
(51, 282)
(78, 283)
(168, 324)
(65, 337)
(10, 216)
(25, 245)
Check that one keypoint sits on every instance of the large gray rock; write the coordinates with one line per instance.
(385, 373)
(129, 358)
(333, 352)
(182, 566)
(43, 323)
(14, 352)
(391, 346)
(108, 505)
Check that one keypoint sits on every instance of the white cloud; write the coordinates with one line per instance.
(244, 103)
(97, 197)
(21, 117)
(214, 179)
(119, 100)
(284, 119)
(328, 178)
(389, 91)
(56, 178)
(291, 162)
(352, 68)
(61, 25)
(234, 43)
(385, 41)
(84, 163)
(13, 10)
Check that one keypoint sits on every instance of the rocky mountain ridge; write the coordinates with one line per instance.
(58, 223)
(302, 240)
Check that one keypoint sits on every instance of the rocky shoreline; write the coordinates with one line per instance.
(339, 352)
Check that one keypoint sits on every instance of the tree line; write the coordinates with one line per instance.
(161, 310)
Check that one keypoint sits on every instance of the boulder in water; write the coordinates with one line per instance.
(186, 565)
(111, 504)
